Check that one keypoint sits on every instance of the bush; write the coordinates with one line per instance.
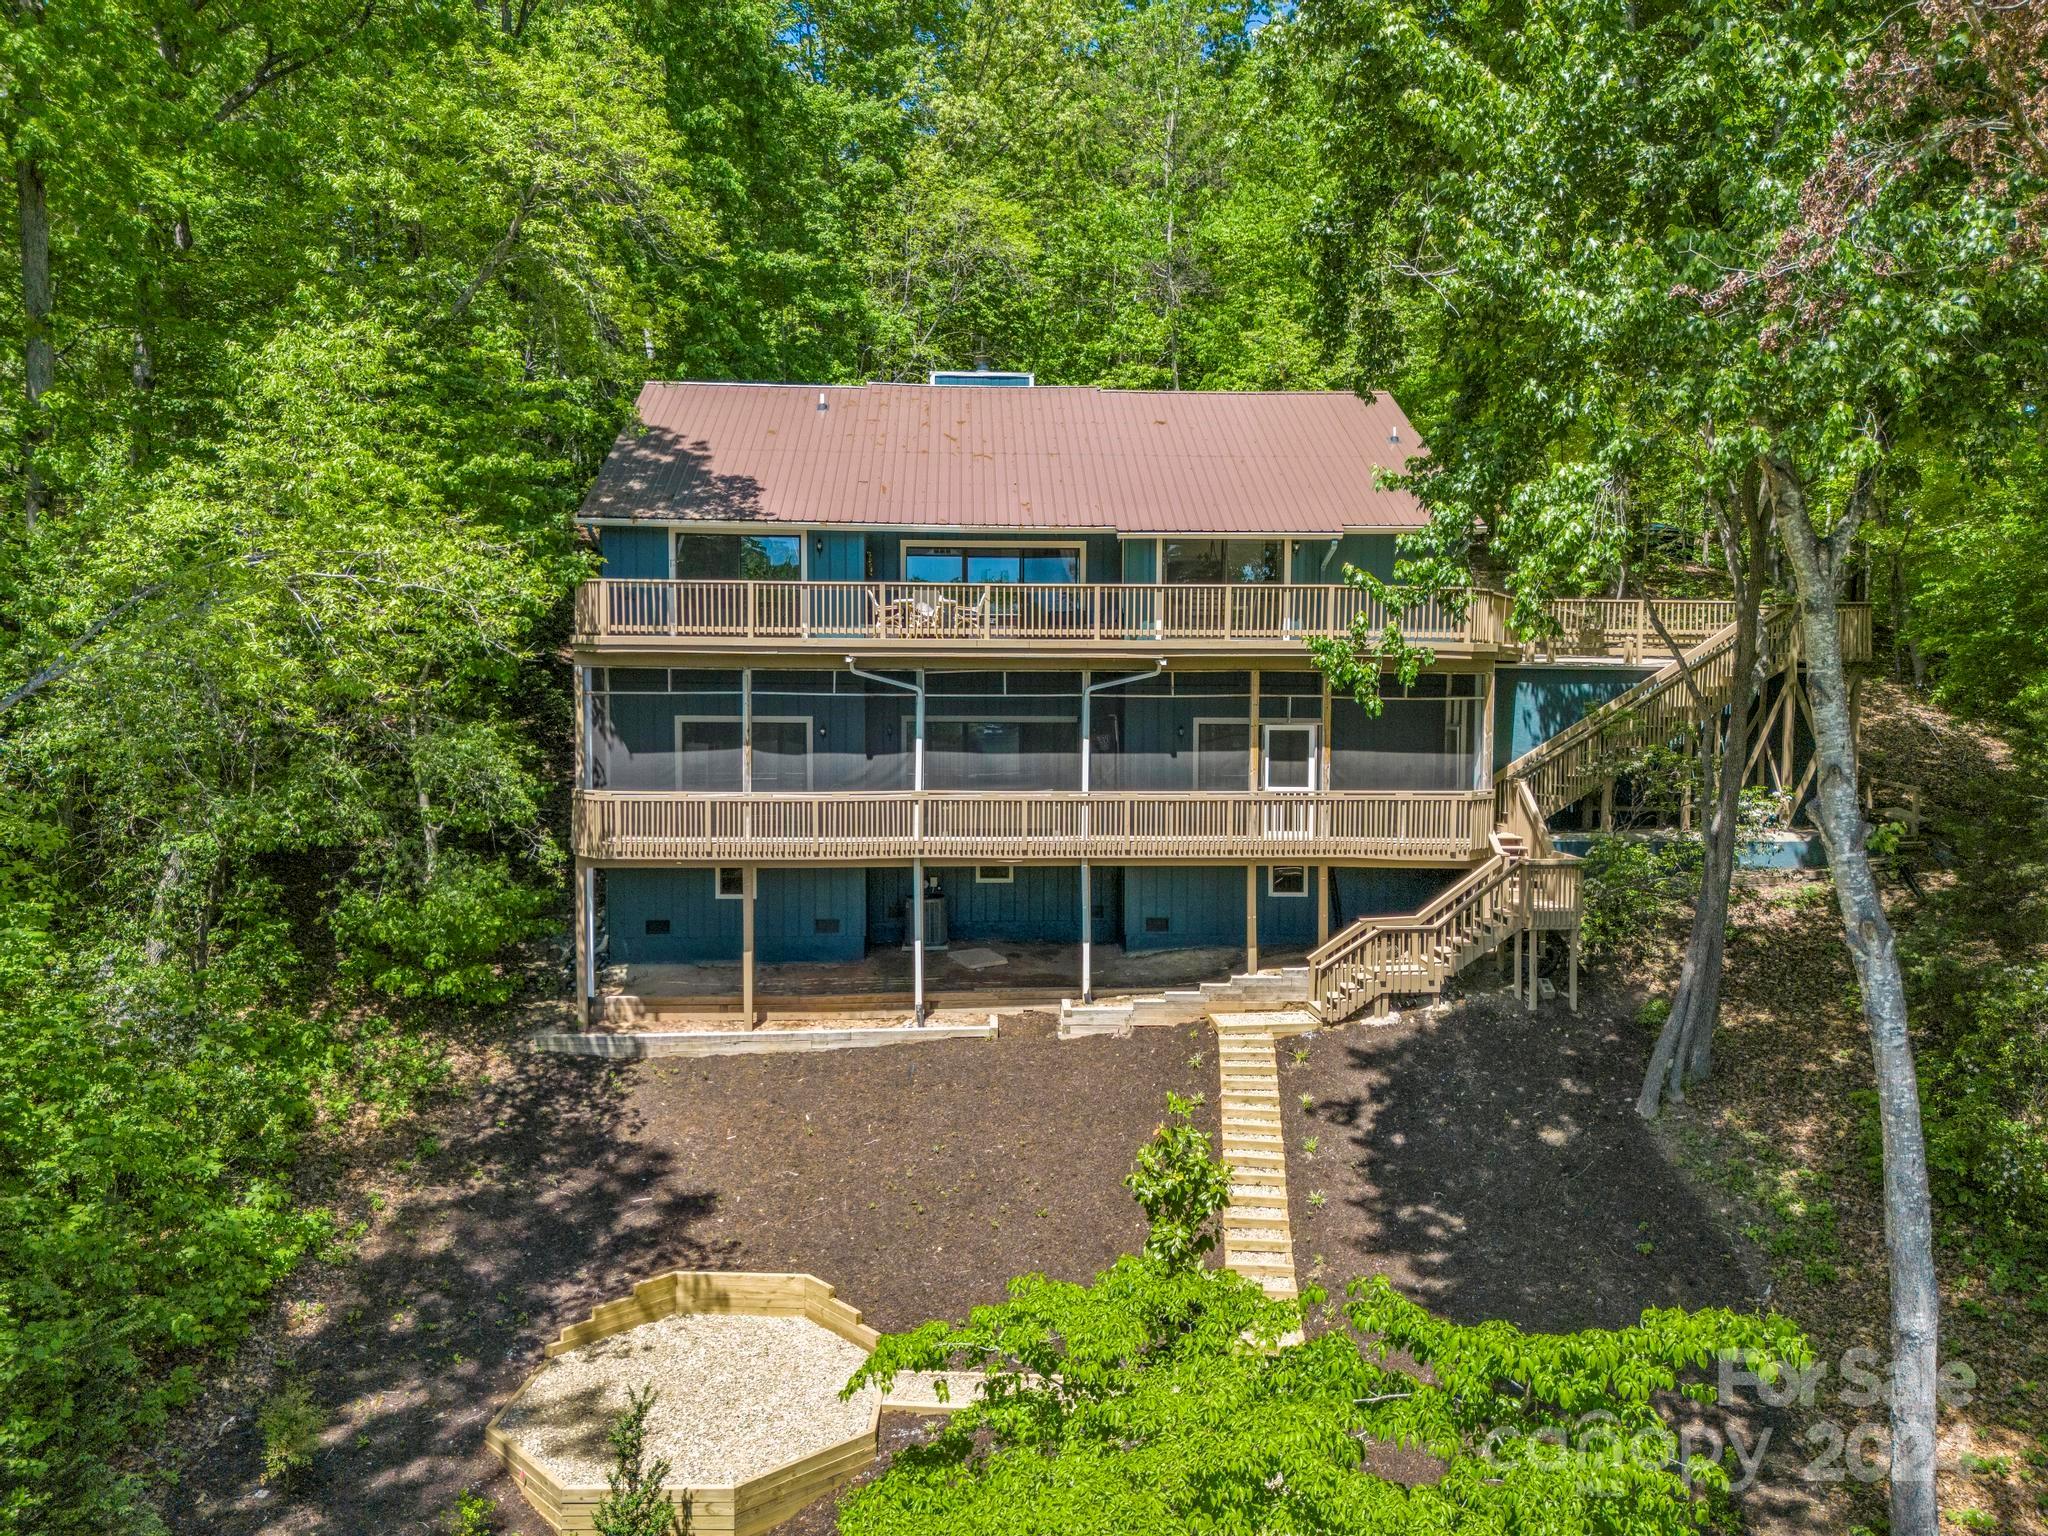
(635, 1504)
(1633, 888)
(474, 1515)
(1158, 1398)
(1984, 1096)
(1179, 1187)
(290, 1424)
(444, 941)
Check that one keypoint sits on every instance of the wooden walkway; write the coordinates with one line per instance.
(1258, 1241)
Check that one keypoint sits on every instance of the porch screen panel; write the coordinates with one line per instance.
(659, 729)
(1415, 744)
(1003, 732)
(1144, 736)
(854, 747)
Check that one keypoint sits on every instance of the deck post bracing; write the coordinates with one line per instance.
(1087, 934)
(1323, 874)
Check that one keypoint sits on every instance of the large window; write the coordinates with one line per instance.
(1003, 564)
(739, 557)
(1235, 562)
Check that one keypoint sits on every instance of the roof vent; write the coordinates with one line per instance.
(1393, 436)
(821, 399)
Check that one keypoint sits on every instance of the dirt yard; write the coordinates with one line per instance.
(917, 1179)
(1488, 1161)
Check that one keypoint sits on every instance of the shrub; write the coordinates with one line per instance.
(1159, 1398)
(1633, 888)
(444, 941)
(473, 1515)
(290, 1424)
(1984, 1093)
(1180, 1188)
(635, 1504)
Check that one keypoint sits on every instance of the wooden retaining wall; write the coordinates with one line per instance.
(746, 1508)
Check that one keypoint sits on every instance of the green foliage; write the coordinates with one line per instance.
(290, 1424)
(1158, 1398)
(1984, 1097)
(1635, 888)
(474, 1515)
(444, 941)
(634, 1504)
(1179, 1187)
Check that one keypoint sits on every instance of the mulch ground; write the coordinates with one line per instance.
(1490, 1163)
(916, 1179)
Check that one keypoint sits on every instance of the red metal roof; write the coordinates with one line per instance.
(914, 455)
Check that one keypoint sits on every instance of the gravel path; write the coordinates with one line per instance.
(739, 1396)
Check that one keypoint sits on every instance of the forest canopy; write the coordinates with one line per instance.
(322, 314)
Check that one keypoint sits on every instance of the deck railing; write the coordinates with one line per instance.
(627, 827)
(912, 613)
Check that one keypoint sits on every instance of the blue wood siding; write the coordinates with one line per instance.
(700, 927)
(787, 916)
(1384, 892)
(1533, 703)
(1202, 905)
(1041, 904)
(634, 553)
(1287, 922)
(819, 915)
(839, 557)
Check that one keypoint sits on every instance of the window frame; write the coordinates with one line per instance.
(1314, 730)
(911, 546)
(1007, 877)
(1277, 894)
(801, 535)
(718, 890)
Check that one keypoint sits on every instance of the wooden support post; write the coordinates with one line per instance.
(582, 768)
(1323, 767)
(1572, 995)
(1324, 874)
(917, 941)
(1087, 933)
(1254, 784)
(584, 889)
(1251, 916)
(1607, 805)
(748, 875)
(1515, 970)
(1528, 884)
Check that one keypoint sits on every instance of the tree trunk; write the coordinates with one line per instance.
(39, 352)
(1684, 1050)
(1817, 571)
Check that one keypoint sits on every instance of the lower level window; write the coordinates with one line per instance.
(995, 874)
(1287, 880)
(732, 882)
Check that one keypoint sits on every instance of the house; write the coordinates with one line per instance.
(1040, 654)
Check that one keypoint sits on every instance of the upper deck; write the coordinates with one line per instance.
(622, 617)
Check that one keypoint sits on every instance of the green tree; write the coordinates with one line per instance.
(1159, 1398)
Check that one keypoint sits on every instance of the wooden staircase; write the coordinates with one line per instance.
(1525, 886)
